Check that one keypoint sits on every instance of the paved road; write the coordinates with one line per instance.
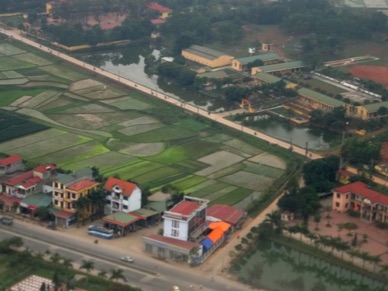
(146, 273)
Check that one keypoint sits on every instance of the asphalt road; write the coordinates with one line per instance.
(147, 273)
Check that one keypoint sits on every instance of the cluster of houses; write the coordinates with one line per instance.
(192, 230)
(218, 65)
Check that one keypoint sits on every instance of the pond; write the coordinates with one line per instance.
(317, 139)
(129, 63)
(274, 266)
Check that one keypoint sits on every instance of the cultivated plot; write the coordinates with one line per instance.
(144, 149)
(218, 161)
(248, 180)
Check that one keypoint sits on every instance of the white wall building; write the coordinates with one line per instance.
(122, 196)
(186, 220)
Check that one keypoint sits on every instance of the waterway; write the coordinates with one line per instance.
(129, 62)
(277, 267)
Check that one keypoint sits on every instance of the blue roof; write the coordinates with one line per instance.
(207, 244)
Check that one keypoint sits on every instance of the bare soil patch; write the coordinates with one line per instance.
(377, 74)
(144, 149)
(274, 36)
(269, 160)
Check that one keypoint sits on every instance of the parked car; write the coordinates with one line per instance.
(127, 259)
(175, 288)
(7, 220)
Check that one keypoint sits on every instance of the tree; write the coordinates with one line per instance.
(117, 274)
(274, 218)
(87, 265)
(43, 213)
(102, 274)
(55, 258)
(67, 263)
(56, 281)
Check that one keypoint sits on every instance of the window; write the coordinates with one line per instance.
(175, 224)
(338, 195)
(73, 195)
(347, 196)
(125, 198)
(346, 205)
(174, 232)
(337, 204)
(125, 207)
(56, 202)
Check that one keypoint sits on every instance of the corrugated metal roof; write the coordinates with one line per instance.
(204, 52)
(320, 97)
(267, 78)
(121, 218)
(373, 107)
(263, 57)
(38, 200)
(282, 66)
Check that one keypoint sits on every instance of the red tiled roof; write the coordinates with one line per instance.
(109, 25)
(157, 21)
(225, 213)
(345, 173)
(185, 207)
(19, 179)
(10, 160)
(158, 7)
(81, 185)
(187, 245)
(9, 200)
(44, 168)
(362, 189)
(126, 187)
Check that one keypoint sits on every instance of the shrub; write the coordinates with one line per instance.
(381, 225)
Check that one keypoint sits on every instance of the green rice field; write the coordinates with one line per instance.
(125, 133)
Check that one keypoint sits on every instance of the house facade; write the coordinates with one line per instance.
(240, 64)
(186, 220)
(122, 196)
(66, 190)
(372, 205)
(30, 182)
(11, 164)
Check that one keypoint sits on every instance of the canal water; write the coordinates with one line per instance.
(277, 267)
(129, 63)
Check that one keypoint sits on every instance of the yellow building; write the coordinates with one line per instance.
(369, 111)
(66, 190)
(240, 64)
(315, 100)
(207, 56)
(372, 205)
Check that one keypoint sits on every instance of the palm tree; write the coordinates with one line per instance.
(55, 258)
(102, 274)
(117, 274)
(274, 218)
(67, 263)
(81, 204)
(87, 265)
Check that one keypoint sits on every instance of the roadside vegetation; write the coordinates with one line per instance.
(18, 263)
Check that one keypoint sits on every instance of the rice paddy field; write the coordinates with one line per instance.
(124, 133)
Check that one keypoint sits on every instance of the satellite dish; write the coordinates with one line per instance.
(251, 50)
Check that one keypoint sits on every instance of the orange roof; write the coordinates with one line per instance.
(216, 234)
(221, 224)
(126, 187)
(81, 185)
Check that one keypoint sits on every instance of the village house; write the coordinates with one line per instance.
(164, 11)
(122, 196)
(11, 164)
(240, 64)
(66, 190)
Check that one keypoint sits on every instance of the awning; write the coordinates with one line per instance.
(221, 224)
(207, 243)
(121, 218)
(216, 235)
(144, 213)
(64, 214)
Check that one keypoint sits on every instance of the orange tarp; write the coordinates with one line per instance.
(221, 224)
(216, 235)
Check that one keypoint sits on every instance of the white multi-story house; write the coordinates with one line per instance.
(186, 220)
(122, 196)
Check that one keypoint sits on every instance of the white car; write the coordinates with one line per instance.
(175, 288)
(127, 259)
